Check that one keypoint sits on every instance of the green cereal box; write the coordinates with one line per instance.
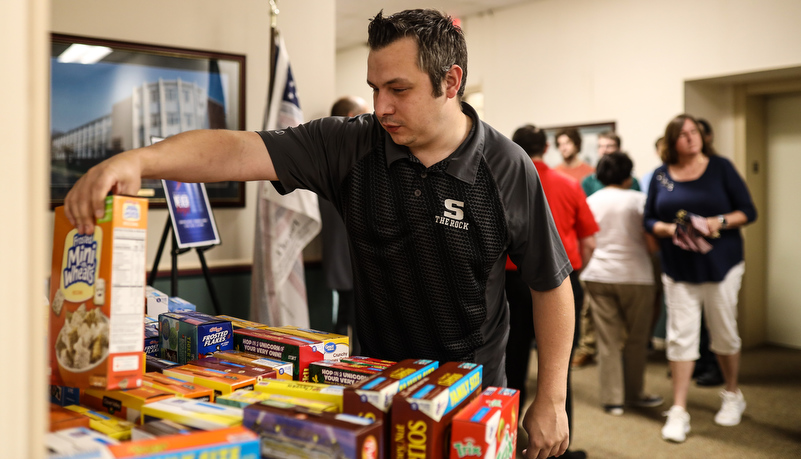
(187, 336)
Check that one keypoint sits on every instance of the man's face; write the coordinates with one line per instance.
(403, 96)
(606, 146)
(566, 147)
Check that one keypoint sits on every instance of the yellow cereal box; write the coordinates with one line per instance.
(96, 290)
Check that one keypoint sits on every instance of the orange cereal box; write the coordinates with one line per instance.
(97, 284)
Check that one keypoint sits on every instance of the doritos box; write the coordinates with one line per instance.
(177, 387)
(229, 443)
(232, 367)
(126, 404)
(334, 347)
(97, 284)
(294, 432)
(301, 389)
(190, 335)
(487, 427)
(422, 413)
(114, 427)
(277, 345)
(193, 413)
(241, 323)
(283, 370)
(342, 373)
(220, 381)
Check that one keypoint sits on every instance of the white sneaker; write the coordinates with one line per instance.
(731, 411)
(677, 425)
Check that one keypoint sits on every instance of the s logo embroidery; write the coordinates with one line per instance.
(454, 209)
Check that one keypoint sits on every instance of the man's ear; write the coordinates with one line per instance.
(453, 81)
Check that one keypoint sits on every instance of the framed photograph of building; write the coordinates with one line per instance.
(589, 142)
(110, 96)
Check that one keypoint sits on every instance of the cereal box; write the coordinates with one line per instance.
(79, 442)
(283, 370)
(187, 336)
(63, 395)
(334, 347)
(232, 367)
(114, 427)
(243, 398)
(156, 302)
(422, 413)
(193, 413)
(62, 418)
(342, 373)
(158, 365)
(176, 304)
(487, 427)
(228, 443)
(96, 288)
(295, 432)
(282, 346)
(241, 323)
(152, 337)
(177, 387)
(126, 404)
(311, 391)
(369, 361)
(220, 381)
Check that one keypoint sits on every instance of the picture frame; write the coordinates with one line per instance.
(110, 96)
(589, 142)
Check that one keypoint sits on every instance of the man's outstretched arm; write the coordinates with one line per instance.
(546, 419)
(194, 156)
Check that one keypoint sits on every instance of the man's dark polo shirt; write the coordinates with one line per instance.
(428, 244)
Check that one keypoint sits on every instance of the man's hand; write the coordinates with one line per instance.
(548, 433)
(121, 174)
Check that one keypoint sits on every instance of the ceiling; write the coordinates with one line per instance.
(353, 16)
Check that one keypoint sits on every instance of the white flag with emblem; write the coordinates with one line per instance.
(284, 224)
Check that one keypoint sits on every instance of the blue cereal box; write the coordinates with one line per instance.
(151, 337)
(187, 336)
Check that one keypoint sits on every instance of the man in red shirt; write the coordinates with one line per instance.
(577, 227)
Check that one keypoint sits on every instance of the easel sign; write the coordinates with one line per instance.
(192, 219)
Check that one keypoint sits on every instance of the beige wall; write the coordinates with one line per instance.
(555, 62)
(236, 26)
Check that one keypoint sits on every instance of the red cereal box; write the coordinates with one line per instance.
(487, 427)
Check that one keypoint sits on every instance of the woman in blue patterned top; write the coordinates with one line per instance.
(693, 181)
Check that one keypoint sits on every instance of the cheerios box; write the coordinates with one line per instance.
(96, 288)
(487, 427)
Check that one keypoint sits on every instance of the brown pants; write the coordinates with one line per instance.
(622, 315)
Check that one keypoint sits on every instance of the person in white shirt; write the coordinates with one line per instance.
(620, 286)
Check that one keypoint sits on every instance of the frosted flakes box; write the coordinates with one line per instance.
(342, 373)
(193, 413)
(228, 443)
(300, 352)
(308, 390)
(178, 387)
(127, 404)
(96, 288)
(293, 432)
(187, 336)
(283, 370)
(487, 427)
(151, 347)
(422, 413)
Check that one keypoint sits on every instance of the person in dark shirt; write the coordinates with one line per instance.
(433, 199)
(693, 181)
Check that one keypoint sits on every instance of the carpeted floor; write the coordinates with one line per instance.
(771, 428)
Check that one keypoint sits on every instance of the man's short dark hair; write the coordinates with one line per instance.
(345, 106)
(611, 136)
(440, 43)
(614, 168)
(531, 138)
(572, 134)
